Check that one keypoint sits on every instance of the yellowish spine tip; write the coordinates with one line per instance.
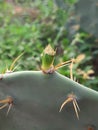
(49, 50)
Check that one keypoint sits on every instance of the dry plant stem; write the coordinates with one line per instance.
(71, 98)
(7, 102)
(16, 59)
(12, 68)
(62, 64)
(71, 67)
(54, 68)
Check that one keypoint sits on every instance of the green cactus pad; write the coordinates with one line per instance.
(37, 98)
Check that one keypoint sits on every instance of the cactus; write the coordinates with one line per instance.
(38, 100)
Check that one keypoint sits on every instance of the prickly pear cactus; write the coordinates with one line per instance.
(46, 100)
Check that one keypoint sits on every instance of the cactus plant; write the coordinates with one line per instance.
(38, 100)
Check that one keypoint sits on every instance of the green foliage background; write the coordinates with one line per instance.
(29, 26)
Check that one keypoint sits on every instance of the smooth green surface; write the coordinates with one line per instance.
(37, 100)
(47, 61)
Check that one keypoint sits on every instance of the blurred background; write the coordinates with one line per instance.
(70, 26)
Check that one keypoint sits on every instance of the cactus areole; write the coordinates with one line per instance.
(33, 100)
